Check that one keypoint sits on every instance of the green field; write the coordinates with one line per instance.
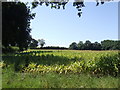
(61, 69)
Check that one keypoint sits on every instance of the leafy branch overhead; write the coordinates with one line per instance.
(57, 4)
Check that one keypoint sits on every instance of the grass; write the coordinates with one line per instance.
(61, 69)
(54, 80)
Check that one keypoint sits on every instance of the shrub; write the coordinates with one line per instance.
(109, 65)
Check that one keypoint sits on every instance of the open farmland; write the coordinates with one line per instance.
(61, 69)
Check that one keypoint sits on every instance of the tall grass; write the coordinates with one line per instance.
(54, 80)
(61, 69)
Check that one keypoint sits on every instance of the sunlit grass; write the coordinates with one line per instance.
(61, 69)
(54, 80)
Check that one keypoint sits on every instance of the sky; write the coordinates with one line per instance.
(62, 27)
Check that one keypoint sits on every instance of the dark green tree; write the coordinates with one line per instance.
(104, 45)
(88, 45)
(96, 46)
(110, 44)
(16, 18)
(73, 46)
(34, 43)
(107, 44)
(80, 45)
(117, 45)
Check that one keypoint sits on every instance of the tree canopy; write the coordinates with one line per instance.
(41, 42)
(16, 18)
(34, 43)
(104, 45)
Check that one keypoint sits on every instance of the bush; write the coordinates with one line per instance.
(10, 49)
(109, 65)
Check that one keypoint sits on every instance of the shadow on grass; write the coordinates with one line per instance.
(24, 59)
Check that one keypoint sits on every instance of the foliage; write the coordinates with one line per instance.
(98, 63)
(61, 69)
(57, 4)
(16, 24)
(10, 49)
(41, 42)
(110, 45)
(52, 47)
(104, 45)
(33, 44)
(2, 64)
(80, 45)
(73, 46)
(108, 64)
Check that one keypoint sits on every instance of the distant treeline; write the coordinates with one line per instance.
(50, 47)
(104, 45)
(88, 45)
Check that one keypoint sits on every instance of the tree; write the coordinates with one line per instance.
(41, 42)
(117, 45)
(106, 44)
(16, 18)
(110, 45)
(34, 43)
(96, 46)
(88, 45)
(73, 46)
(80, 45)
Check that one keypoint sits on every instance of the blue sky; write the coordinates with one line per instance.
(62, 27)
